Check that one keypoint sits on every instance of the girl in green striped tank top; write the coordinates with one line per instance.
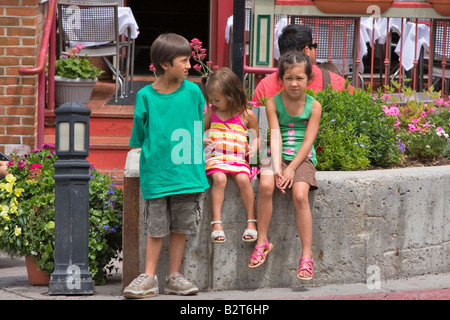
(293, 118)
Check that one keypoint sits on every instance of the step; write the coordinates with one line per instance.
(106, 127)
(106, 154)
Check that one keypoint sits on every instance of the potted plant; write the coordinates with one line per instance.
(75, 77)
(27, 213)
(352, 6)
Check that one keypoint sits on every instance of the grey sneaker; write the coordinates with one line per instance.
(176, 283)
(143, 286)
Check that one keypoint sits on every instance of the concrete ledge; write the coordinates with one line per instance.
(397, 220)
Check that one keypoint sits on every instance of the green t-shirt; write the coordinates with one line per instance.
(169, 130)
(293, 129)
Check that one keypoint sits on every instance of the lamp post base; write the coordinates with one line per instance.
(72, 282)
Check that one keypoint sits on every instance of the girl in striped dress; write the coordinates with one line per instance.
(228, 122)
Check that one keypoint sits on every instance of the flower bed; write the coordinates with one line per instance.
(361, 131)
(27, 213)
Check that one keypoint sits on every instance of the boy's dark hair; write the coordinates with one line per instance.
(294, 37)
(166, 48)
(290, 59)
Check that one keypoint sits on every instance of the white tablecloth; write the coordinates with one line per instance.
(127, 21)
(395, 25)
(409, 43)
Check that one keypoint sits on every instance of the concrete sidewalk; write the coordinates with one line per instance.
(14, 286)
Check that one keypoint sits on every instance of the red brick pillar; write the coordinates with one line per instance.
(21, 27)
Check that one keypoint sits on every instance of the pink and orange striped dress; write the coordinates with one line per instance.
(230, 146)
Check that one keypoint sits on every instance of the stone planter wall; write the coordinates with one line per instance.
(395, 221)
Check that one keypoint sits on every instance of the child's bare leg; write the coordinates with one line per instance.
(217, 197)
(248, 198)
(300, 192)
(177, 243)
(264, 208)
(154, 246)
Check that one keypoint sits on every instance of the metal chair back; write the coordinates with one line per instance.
(88, 23)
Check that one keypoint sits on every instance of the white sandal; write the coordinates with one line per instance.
(217, 233)
(250, 232)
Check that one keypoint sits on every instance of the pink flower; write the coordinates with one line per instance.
(199, 54)
(252, 104)
(423, 114)
(39, 166)
(426, 124)
(439, 101)
(384, 97)
(394, 110)
(412, 127)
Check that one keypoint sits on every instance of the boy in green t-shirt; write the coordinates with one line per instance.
(168, 127)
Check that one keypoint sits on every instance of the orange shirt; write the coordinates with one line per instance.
(270, 85)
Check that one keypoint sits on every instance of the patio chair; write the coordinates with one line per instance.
(96, 26)
(129, 43)
(440, 45)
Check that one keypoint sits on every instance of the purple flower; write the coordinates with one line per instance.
(401, 146)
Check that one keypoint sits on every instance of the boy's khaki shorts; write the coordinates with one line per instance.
(179, 213)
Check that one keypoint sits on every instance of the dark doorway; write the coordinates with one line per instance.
(187, 18)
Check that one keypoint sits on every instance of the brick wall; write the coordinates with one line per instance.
(21, 27)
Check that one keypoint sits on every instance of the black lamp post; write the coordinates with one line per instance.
(238, 38)
(71, 275)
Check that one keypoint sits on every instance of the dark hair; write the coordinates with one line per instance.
(292, 58)
(166, 48)
(330, 66)
(225, 82)
(294, 37)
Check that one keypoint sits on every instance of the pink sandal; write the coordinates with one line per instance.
(260, 255)
(307, 265)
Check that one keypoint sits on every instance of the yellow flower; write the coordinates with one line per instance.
(5, 209)
(13, 207)
(18, 191)
(9, 187)
(4, 215)
(6, 228)
(17, 231)
(10, 178)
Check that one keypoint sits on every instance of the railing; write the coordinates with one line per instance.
(48, 41)
(417, 48)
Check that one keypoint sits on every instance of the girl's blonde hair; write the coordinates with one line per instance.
(225, 82)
